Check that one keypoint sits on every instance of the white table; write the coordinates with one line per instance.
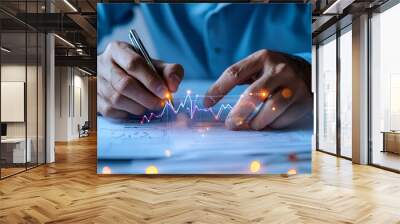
(19, 155)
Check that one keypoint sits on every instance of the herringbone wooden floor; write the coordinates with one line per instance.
(70, 191)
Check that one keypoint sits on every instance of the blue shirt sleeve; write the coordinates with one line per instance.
(305, 55)
(110, 15)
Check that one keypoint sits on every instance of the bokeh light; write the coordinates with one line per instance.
(106, 170)
(292, 172)
(292, 157)
(255, 166)
(239, 122)
(151, 170)
(264, 94)
(286, 93)
(168, 153)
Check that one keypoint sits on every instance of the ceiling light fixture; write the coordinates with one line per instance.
(337, 7)
(5, 49)
(70, 5)
(65, 41)
(84, 71)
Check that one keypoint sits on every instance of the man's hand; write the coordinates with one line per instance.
(283, 82)
(127, 85)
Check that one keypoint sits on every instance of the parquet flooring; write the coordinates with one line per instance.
(70, 191)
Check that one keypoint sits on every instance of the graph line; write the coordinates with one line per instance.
(188, 104)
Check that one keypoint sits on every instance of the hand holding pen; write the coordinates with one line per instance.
(128, 84)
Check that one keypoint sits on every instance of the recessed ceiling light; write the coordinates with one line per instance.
(5, 50)
(70, 5)
(64, 40)
(84, 71)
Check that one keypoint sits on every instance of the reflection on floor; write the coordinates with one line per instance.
(70, 191)
(10, 171)
(386, 159)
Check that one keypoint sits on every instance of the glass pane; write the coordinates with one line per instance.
(13, 86)
(385, 86)
(31, 98)
(327, 96)
(346, 94)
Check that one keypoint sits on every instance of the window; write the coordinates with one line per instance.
(327, 95)
(385, 89)
(346, 92)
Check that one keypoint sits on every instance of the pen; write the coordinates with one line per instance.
(141, 50)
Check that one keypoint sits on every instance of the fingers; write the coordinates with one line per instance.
(117, 100)
(294, 113)
(249, 105)
(234, 75)
(131, 88)
(172, 73)
(252, 98)
(125, 57)
(107, 110)
(272, 109)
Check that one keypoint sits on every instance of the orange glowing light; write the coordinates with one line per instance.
(263, 93)
(255, 166)
(168, 95)
(151, 170)
(292, 172)
(106, 170)
(273, 108)
(286, 93)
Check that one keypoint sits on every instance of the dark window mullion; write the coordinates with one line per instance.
(338, 100)
(26, 86)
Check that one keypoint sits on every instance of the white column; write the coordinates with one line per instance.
(360, 90)
(50, 99)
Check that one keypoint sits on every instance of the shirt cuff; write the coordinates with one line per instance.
(305, 56)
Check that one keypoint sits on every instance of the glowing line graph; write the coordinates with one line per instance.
(190, 105)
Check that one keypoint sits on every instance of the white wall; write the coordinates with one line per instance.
(12, 73)
(71, 94)
(314, 91)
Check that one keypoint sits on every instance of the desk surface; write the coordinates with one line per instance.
(201, 147)
(391, 132)
(13, 140)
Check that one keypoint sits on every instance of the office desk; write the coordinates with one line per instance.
(17, 150)
(391, 141)
(200, 144)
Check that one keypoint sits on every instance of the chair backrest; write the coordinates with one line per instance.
(86, 125)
